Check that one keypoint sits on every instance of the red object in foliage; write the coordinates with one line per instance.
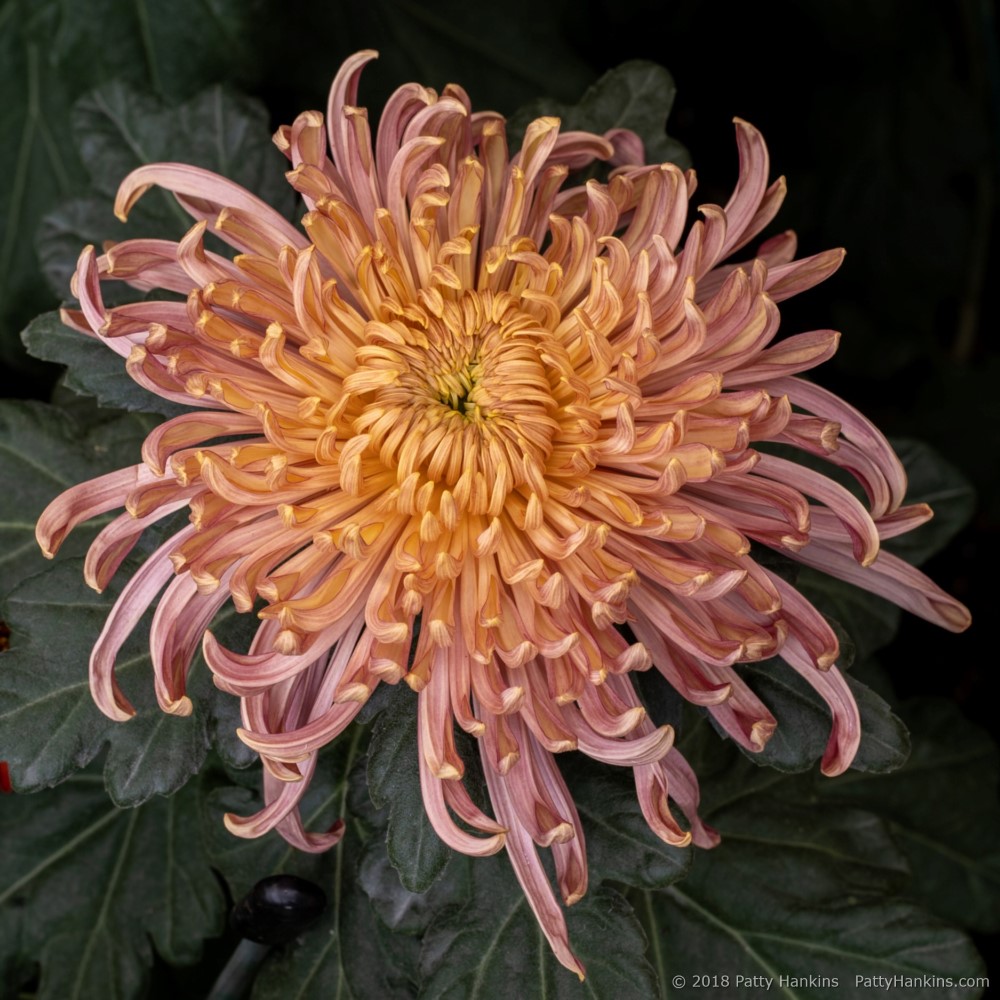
(5, 785)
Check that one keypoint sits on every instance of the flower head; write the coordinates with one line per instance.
(493, 436)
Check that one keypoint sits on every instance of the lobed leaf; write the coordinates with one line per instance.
(870, 621)
(348, 952)
(620, 845)
(50, 724)
(50, 53)
(116, 128)
(804, 722)
(799, 887)
(942, 809)
(399, 909)
(93, 889)
(933, 480)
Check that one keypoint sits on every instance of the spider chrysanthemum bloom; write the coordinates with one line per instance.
(477, 423)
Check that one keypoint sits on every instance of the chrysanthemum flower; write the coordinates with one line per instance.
(477, 422)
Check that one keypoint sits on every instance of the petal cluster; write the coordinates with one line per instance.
(500, 437)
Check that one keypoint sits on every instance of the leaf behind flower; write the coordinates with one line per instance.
(636, 95)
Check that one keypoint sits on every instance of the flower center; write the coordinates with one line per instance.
(456, 394)
(457, 389)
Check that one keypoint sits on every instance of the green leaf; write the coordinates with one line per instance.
(118, 128)
(636, 95)
(943, 812)
(495, 940)
(804, 722)
(620, 845)
(49, 722)
(725, 774)
(65, 229)
(92, 368)
(399, 909)
(244, 862)
(174, 52)
(885, 739)
(43, 453)
(415, 850)
(801, 891)
(836, 849)
(932, 480)
(803, 719)
(350, 953)
(737, 797)
(663, 703)
(70, 225)
(347, 954)
(50, 53)
(85, 888)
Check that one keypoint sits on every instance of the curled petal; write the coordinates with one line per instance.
(845, 734)
(892, 578)
(857, 428)
(203, 187)
(132, 604)
(436, 805)
(80, 503)
(531, 875)
(281, 812)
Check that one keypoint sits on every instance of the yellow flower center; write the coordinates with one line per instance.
(460, 396)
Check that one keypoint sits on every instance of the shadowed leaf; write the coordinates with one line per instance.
(51, 52)
(416, 851)
(88, 889)
(495, 939)
(637, 95)
(50, 724)
(943, 812)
